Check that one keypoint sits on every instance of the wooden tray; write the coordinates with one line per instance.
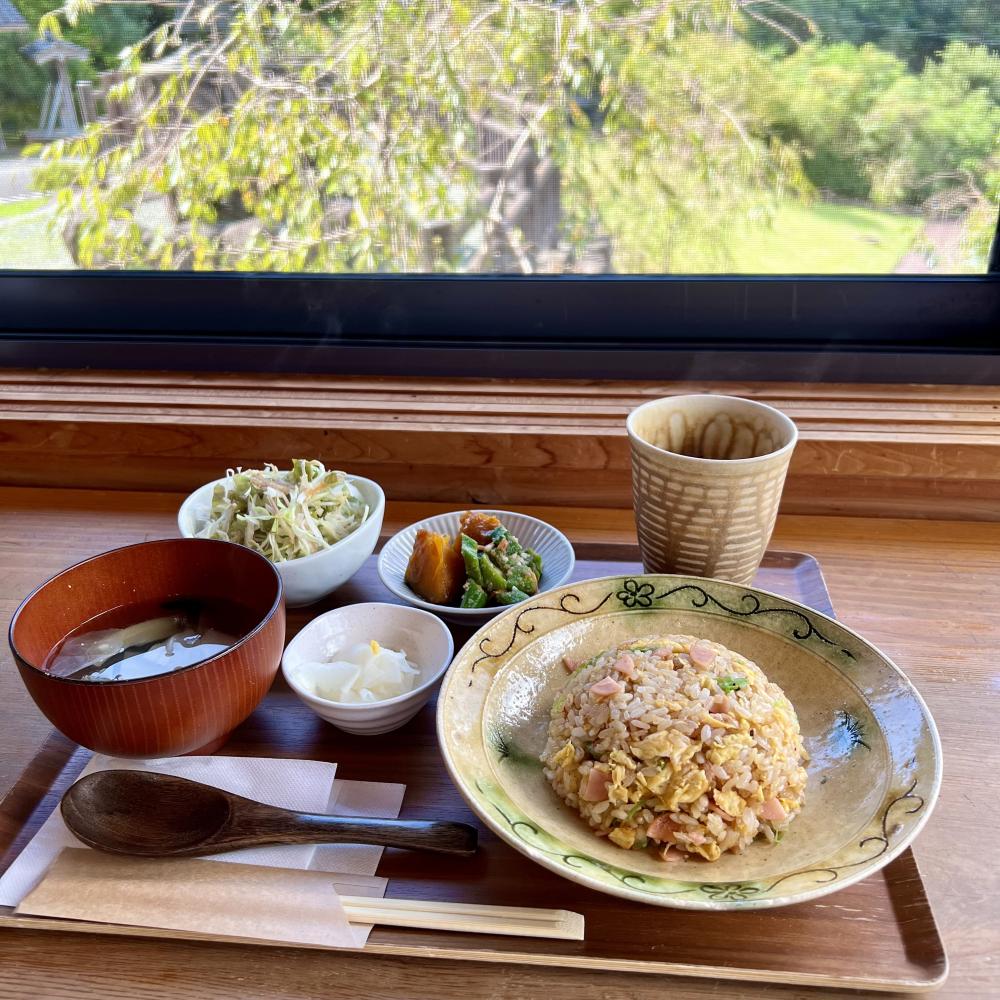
(879, 934)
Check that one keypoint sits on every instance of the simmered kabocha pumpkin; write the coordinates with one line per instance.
(477, 526)
(484, 565)
(435, 572)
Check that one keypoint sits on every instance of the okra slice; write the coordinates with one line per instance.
(500, 534)
(492, 579)
(474, 596)
(536, 562)
(522, 578)
(511, 596)
(470, 553)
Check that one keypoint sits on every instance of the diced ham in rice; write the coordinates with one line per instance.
(605, 687)
(595, 786)
(678, 745)
(625, 665)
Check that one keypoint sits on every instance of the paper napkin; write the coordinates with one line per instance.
(304, 785)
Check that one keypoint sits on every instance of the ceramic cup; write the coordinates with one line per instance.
(707, 475)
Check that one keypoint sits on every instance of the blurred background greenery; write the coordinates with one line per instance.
(697, 136)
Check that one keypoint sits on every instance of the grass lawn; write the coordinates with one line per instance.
(25, 240)
(10, 209)
(804, 239)
(825, 239)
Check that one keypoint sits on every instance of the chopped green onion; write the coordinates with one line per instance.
(732, 683)
(632, 812)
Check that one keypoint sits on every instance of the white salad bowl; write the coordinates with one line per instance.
(423, 637)
(558, 560)
(308, 578)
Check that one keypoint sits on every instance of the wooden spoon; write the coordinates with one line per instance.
(157, 815)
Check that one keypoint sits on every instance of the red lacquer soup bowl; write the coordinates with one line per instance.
(192, 709)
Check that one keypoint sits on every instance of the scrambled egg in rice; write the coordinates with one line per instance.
(676, 744)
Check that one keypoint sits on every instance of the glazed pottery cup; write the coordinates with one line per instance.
(191, 710)
(707, 475)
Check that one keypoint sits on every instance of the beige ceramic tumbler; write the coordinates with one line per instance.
(707, 475)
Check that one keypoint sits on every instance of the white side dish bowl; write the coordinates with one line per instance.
(558, 560)
(309, 578)
(421, 636)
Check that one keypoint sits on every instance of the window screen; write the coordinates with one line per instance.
(544, 137)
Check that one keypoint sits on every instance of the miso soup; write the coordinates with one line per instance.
(141, 640)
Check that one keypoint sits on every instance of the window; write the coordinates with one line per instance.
(618, 162)
(512, 136)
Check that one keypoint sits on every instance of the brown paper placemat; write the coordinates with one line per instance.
(216, 898)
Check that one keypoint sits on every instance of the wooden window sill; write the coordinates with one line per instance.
(872, 450)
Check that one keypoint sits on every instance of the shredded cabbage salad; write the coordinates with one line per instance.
(285, 515)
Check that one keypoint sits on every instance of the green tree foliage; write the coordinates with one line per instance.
(105, 32)
(380, 135)
(913, 30)
(823, 97)
(671, 214)
(22, 86)
(349, 137)
(981, 201)
(872, 130)
(927, 131)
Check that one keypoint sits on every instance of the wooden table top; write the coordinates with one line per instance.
(926, 592)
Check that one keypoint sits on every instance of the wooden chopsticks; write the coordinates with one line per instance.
(471, 918)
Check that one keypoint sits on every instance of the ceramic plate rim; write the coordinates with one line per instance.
(626, 891)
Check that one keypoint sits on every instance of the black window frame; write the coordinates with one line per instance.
(938, 329)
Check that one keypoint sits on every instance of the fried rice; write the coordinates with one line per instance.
(677, 744)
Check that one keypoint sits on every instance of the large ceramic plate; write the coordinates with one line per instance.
(875, 765)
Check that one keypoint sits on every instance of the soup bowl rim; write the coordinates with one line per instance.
(261, 624)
